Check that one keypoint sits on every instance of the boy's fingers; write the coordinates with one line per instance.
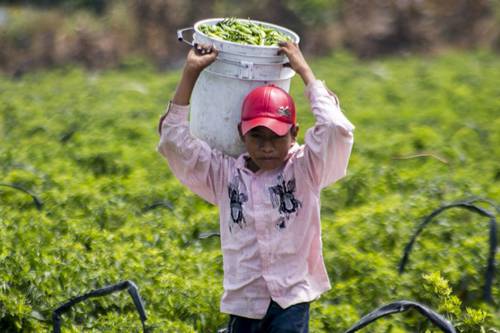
(281, 50)
(198, 51)
(207, 50)
(286, 47)
(205, 46)
(203, 49)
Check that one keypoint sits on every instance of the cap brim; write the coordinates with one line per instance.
(278, 127)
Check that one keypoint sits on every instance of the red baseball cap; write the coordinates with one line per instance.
(268, 106)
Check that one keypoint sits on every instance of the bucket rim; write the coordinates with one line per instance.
(295, 37)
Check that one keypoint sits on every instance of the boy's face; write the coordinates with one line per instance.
(267, 150)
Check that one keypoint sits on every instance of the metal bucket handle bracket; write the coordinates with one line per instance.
(246, 72)
(180, 35)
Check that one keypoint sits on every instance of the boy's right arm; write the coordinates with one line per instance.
(191, 160)
(199, 57)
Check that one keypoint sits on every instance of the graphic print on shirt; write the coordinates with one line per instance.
(236, 203)
(283, 198)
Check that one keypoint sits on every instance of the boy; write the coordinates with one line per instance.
(268, 198)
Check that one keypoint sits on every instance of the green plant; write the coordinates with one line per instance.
(84, 144)
(467, 320)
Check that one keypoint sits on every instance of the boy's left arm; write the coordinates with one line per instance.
(328, 144)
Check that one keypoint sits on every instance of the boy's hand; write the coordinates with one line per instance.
(297, 61)
(199, 57)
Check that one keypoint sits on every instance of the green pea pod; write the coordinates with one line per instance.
(244, 32)
(244, 29)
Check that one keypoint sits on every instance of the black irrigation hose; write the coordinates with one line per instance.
(401, 306)
(38, 203)
(162, 204)
(132, 289)
(165, 204)
(208, 234)
(469, 205)
(486, 200)
(385, 310)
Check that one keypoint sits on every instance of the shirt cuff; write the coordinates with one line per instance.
(175, 113)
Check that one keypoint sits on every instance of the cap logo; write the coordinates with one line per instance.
(283, 110)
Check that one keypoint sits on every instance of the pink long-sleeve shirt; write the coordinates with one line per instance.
(269, 220)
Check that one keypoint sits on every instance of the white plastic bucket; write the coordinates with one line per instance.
(219, 92)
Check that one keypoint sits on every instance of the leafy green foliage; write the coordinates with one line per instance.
(84, 142)
(470, 320)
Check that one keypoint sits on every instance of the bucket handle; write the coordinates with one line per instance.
(180, 36)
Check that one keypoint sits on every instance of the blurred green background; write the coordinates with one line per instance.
(83, 84)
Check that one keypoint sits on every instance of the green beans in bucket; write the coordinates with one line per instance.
(244, 32)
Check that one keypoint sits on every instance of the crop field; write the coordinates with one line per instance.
(86, 201)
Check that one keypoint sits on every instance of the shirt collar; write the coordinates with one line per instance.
(241, 160)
